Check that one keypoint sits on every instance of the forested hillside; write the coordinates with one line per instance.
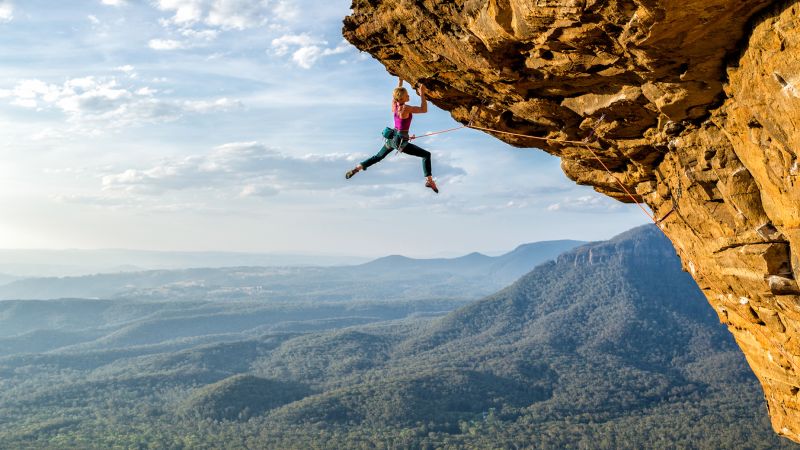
(609, 346)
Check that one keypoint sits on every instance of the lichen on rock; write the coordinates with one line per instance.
(700, 108)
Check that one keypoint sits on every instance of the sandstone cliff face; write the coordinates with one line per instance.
(700, 101)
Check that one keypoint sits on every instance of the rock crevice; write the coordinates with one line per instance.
(699, 102)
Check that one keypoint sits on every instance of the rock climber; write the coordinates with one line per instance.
(402, 123)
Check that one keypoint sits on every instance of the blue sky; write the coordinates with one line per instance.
(229, 124)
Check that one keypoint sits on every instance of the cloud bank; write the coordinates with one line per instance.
(105, 101)
(306, 50)
(251, 169)
(225, 14)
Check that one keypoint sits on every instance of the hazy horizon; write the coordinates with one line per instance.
(24, 263)
(355, 253)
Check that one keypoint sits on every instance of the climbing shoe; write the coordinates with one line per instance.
(350, 173)
(432, 184)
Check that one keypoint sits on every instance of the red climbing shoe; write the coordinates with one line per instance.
(350, 173)
(432, 184)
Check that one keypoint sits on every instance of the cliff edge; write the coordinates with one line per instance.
(700, 108)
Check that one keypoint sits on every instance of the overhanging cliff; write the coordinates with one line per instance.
(700, 102)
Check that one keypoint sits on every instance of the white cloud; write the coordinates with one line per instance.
(201, 35)
(225, 14)
(307, 50)
(586, 204)
(128, 70)
(104, 102)
(283, 44)
(166, 44)
(193, 38)
(113, 2)
(92, 18)
(27, 92)
(24, 102)
(196, 23)
(49, 134)
(222, 104)
(245, 168)
(88, 95)
(286, 11)
(6, 11)
(253, 190)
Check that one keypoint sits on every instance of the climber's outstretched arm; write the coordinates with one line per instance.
(422, 108)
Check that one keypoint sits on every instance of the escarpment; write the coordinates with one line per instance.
(692, 104)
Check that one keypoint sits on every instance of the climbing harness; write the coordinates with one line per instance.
(395, 139)
(583, 143)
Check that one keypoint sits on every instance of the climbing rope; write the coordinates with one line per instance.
(438, 132)
(561, 141)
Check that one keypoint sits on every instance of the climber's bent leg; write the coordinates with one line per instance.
(413, 150)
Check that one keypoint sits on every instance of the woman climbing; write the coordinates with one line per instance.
(402, 122)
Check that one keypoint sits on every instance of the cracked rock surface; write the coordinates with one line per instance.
(700, 109)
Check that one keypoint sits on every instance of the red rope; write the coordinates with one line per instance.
(623, 186)
(564, 141)
(437, 132)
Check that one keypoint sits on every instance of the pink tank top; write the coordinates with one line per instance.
(400, 123)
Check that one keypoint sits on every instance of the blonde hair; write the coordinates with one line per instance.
(399, 93)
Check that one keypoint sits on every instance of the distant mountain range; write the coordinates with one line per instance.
(503, 269)
(470, 276)
(27, 263)
(75, 262)
(5, 279)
